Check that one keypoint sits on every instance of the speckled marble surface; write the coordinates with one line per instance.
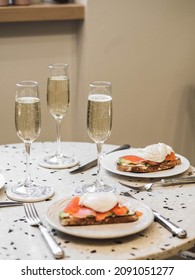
(20, 241)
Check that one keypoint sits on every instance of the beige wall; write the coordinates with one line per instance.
(26, 50)
(146, 48)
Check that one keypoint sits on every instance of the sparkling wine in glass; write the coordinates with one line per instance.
(99, 125)
(58, 101)
(28, 127)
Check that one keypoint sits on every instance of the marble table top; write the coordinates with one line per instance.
(18, 240)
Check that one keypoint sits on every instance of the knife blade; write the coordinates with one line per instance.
(94, 162)
(10, 203)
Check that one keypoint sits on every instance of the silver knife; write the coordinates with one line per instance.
(170, 226)
(94, 162)
(10, 203)
(173, 228)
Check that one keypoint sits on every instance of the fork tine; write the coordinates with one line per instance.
(145, 187)
(127, 194)
(31, 209)
(26, 210)
(130, 186)
(29, 212)
(34, 210)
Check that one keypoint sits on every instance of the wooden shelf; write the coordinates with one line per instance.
(42, 12)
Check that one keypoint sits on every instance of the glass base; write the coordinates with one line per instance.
(92, 187)
(30, 193)
(55, 162)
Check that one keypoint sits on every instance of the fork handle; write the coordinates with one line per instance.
(55, 248)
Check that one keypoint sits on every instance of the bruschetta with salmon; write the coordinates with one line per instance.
(153, 158)
(95, 209)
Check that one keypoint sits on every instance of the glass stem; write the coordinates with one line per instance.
(28, 178)
(58, 129)
(99, 180)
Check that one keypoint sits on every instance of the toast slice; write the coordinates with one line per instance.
(70, 220)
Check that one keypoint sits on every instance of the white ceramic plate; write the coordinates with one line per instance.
(2, 180)
(110, 160)
(102, 231)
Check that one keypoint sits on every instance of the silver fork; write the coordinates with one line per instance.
(33, 219)
(145, 187)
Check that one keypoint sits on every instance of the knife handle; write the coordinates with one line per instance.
(179, 232)
(123, 147)
(9, 204)
(184, 180)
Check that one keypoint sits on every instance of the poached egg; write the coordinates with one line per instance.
(103, 202)
(99, 201)
(155, 152)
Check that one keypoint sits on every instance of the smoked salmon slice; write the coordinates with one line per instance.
(73, 208)
(171, 157)
(137, 160)
(120, 211)
(134, 159)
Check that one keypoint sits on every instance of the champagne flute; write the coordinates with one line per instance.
(58, 101)
(28, 127)
(99, 125)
